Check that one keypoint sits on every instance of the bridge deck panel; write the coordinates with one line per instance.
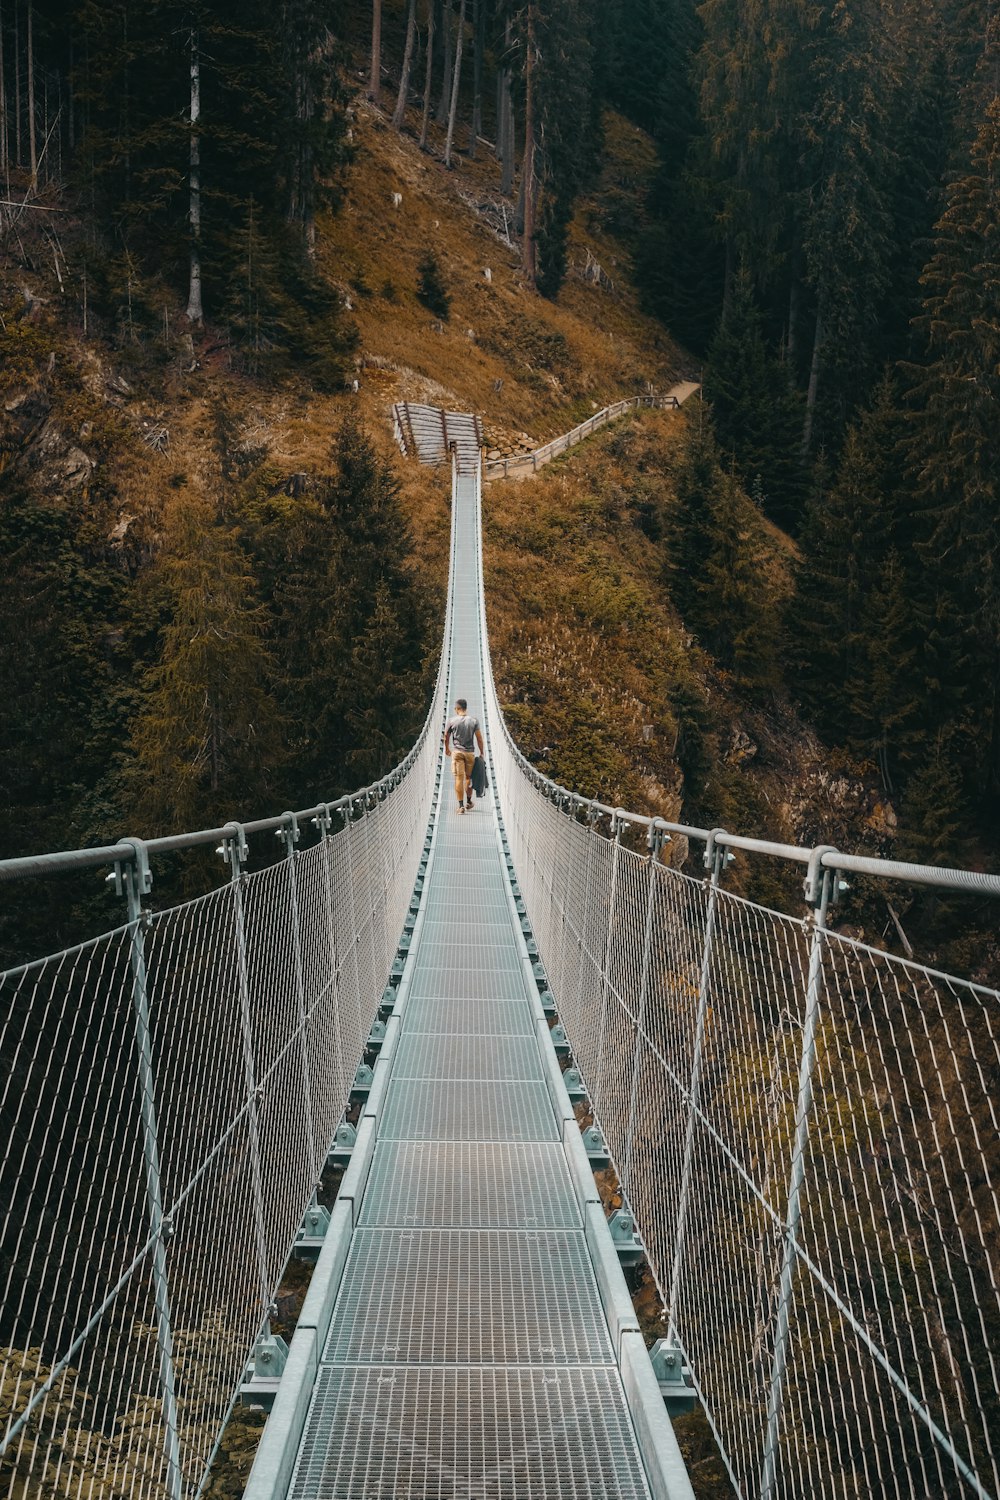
(469, 1353)
(454, 1433)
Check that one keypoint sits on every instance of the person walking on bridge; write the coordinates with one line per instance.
(461, 736)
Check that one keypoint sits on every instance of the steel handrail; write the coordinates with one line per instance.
(126, 852)
(827, 858)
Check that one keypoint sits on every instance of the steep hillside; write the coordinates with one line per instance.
(528, 365)
(122, 426)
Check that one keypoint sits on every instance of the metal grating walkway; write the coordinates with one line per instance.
(468, 1343)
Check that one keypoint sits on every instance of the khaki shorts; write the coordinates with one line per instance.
(462, 762)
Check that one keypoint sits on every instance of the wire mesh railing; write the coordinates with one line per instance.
(171, 1090)
(805, 1128)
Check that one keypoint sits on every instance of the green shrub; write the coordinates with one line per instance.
(431, 290)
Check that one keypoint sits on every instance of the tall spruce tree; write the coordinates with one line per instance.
(847, 225)
(837, 642)
(717, 551)
(352, 621)
(953, 461)
(205, 743)
(755, 409)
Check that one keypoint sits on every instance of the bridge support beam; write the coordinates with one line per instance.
(818, 889)
(289, 835)
(618, 826)
(715, 858)
(134, 880)
(656, 840)
(234, 852)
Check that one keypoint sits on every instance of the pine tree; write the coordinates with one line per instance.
(734, 609)
(687, 530)
(953, 456)
(717, 552)
(847, 226)
(555, 40)
(835, 633)
(755, 410)
(205, 742)
(884, 697)
(431, 290)
(933, 812)
(378, 695)
(352, 622)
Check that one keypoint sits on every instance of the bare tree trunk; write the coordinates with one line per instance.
(506, 117)
(528, 164)
(126, 128)
(375, 81)
(71, 93)
(478, 21)
(428, 74)
(814, 374)
(441, 113)
(4, 139)
(455, 83)
(194, 307)
(19, 157)
(301, 188)
(59, 125)
(509, 142)
(399, 112)
(32, 140)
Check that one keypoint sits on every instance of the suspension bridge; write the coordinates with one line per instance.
(468, 1015)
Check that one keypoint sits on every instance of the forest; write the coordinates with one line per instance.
(231, 235)
(821, 235)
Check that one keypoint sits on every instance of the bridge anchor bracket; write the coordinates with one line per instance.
(312, 1232)
(596, 1148)
(673, 1377)
(560, 1041)
(362, 1085)
(339, 1154)
(574, 1085)
(626, 1241)
(263, 1376)
(376, 1037)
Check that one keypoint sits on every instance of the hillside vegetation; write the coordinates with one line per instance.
(660, 602)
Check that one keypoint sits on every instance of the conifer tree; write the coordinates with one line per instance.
(734, 605)
(755, 411)
(717, 553)
(846, 234)
(933, 812)
(835, 635)
(555, 43)
(206, 738)
(953, 456)
(884, 694)
(351, 621)
(688, 538)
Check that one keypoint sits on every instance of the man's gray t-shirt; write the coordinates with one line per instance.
(462, 729)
